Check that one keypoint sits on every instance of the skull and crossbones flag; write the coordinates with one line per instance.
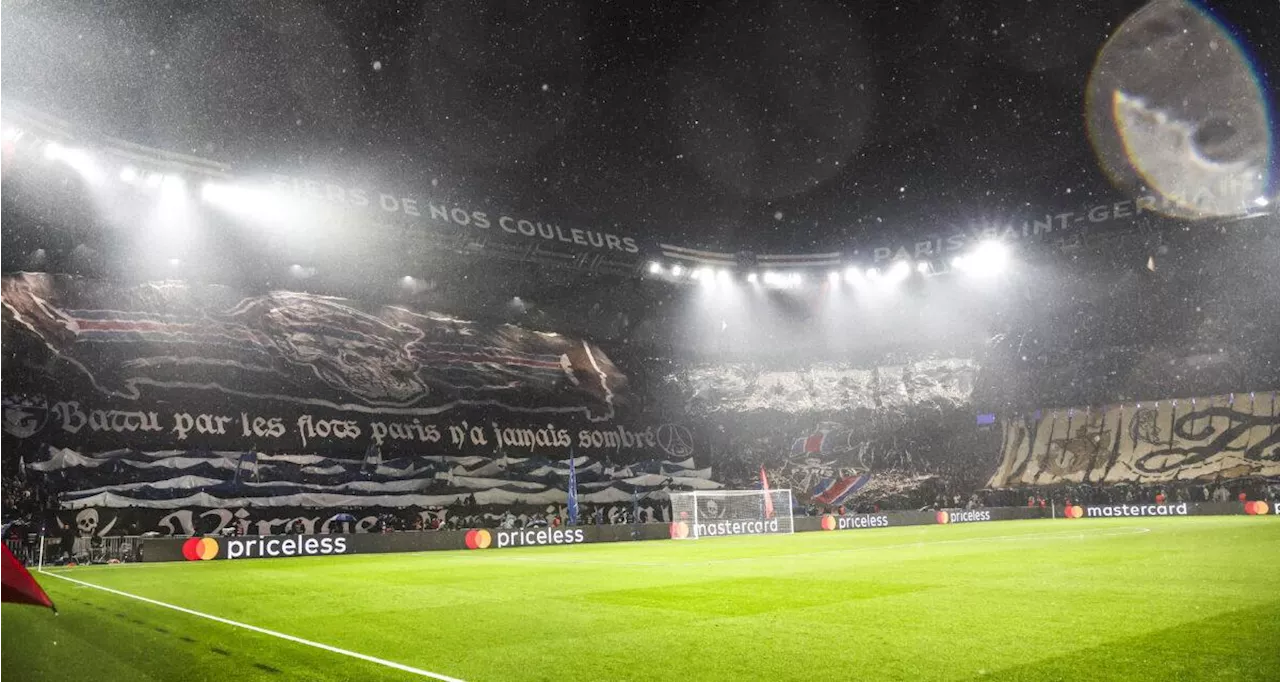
(19, 586)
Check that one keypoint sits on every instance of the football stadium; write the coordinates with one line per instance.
(718, 340)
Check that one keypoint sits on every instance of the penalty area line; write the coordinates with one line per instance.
(253, 628)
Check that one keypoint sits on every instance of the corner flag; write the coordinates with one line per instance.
(573, 490)
(768, 501)
(18, 585)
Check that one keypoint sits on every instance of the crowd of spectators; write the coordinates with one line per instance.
(22, 498)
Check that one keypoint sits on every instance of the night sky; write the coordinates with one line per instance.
(774, 126)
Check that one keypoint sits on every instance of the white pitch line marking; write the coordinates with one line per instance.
(1067, 534)
(297, 640)
(1064, 534)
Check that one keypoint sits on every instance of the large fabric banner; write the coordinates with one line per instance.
(1220, 437)
(170, 479)
(174, 365)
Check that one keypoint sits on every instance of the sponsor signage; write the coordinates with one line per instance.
(1113, 510)
(1258, 508)
(854, 521)
(1095, 511)
(278, 546)
(205, 549)
(200, 549)
(269, 547)
(963, 515)
(525, 537)
(680, 530)
(916, 518)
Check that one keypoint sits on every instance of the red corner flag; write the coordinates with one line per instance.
(18, 585)
(768, 500)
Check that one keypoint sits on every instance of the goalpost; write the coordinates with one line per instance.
(708, 513)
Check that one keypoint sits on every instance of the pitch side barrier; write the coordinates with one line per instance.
(893, 519)
(279, 546)
(1132, 510)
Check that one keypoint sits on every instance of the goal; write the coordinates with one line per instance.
(708, 513)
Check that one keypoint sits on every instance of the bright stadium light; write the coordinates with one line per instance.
(1261, 201)
(53, 151)
(259, 203)
(677, 270)
(788, 280)
(723, 276)
(78, 160)
(899, 272)
(129, 174)
(154, 180)
(987, 259)
(173, 184)
(753, 277)
(833, 277)
(851, 274)
(873, 273)
(212, 192)
(922, 267)
(655, 268)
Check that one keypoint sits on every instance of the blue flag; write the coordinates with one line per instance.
(372, 458)
(246, 459)
(573, 490)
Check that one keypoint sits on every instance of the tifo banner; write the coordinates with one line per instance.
(168, 480)
(1226, 436)
(175, 365)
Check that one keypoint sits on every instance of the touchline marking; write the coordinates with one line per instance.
(297, 640)
(1064, 534)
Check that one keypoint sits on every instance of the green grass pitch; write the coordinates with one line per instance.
(1167, 599)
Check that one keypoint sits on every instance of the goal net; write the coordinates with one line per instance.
(708, 513)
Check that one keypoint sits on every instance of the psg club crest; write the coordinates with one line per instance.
(25, 415)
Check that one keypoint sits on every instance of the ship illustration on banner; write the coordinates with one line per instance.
(155, 339)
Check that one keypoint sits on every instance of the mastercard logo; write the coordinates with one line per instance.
(679, 530)
(944, 517)
(199, 549)
(1255, 508)
(828, 522)
(1073, 511)
(478, 539)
